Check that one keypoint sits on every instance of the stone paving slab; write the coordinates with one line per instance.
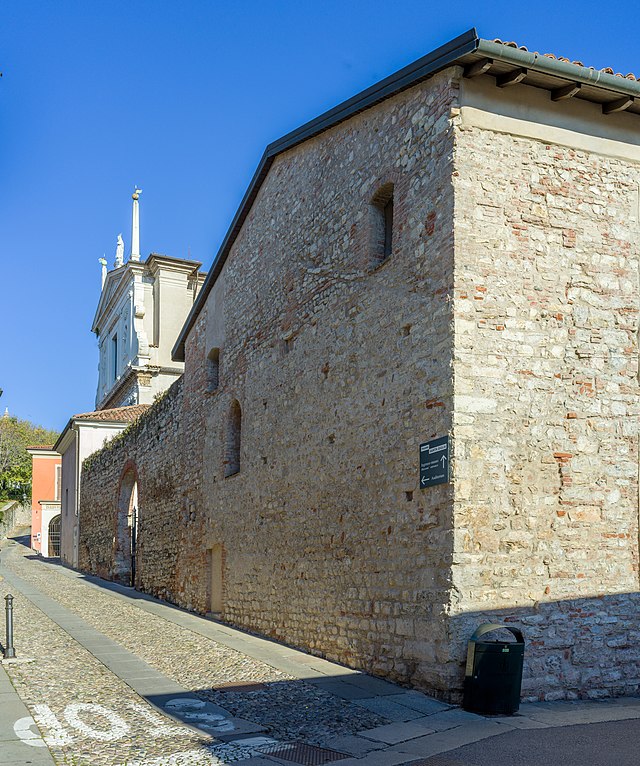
(356, 746)
(380, 758)
(386, 709)
(624, 701)
(449, 719)
(586, 712)
(340, 688)
(394, 733)
(451, 739)
(231, 728)
(520, 722)
(563, 706)
(420, 702)
(151, 686)
(374, 685)
(292, 669)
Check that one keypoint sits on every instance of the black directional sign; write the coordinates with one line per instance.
(434, 462)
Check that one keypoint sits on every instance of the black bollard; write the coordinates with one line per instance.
(9, 651)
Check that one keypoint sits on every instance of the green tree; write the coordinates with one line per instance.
(15, 462)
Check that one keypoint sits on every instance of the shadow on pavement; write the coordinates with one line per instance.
(21, 539)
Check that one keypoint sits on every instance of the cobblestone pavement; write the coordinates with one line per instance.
(82, 707)
(120, 680)
(89, 716)
(290, 709)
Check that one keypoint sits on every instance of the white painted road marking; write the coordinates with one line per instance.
(75, 716)
(118, 728)
(47, 721)
(184, 703)
(56, 734)
(22, 728)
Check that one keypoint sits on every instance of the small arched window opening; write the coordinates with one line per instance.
(382, 225)
(233, 441)
(213, 369)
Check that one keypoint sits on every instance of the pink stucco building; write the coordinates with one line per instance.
(45, 500)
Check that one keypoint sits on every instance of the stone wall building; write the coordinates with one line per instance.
(453, 252)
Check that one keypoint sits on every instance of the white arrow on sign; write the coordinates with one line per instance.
(444, 460)
(424, 480)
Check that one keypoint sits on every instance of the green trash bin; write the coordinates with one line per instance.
(493, 675)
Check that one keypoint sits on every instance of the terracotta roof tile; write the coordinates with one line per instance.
(605, 70)
(117, 414)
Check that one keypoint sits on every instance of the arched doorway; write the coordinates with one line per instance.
(54, 536)
(125, 558)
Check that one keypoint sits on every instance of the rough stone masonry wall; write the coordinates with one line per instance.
(151, 449)
(13, 514)
(546, 408)
(340, 372)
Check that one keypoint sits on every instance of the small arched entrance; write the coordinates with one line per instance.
(125, 558)
(54, 536)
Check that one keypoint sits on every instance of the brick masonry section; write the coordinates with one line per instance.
(506, 317)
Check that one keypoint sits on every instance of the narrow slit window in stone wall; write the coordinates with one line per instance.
(382, 225)
(213, 369)
(232, 446)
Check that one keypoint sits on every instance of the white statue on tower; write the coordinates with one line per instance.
(119, 252)
(103, 263)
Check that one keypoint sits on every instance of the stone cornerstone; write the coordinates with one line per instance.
(277, 482)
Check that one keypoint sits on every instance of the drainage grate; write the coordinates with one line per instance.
(240, 686)
(301, 753)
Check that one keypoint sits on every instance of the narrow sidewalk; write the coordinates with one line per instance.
(16, 717)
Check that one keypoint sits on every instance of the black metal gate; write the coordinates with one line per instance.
(54, 536)
(134, 540)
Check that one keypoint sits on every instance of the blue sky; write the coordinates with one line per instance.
(181, 99)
